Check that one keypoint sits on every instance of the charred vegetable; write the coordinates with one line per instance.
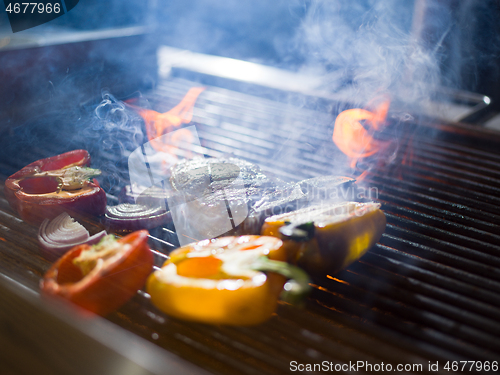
(222, 281)
(102, 277)
(126, 217)
(324, 239)
(61, 234)
(48, 187)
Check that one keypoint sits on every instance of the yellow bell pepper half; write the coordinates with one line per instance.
(327, 238)
(223, 281)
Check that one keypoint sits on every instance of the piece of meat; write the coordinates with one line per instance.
(210, 197)
(219, 196)
(198, 177)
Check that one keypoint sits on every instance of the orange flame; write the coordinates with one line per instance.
(158, 124)
(354, 138)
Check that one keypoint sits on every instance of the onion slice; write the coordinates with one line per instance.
(62, 233)
(130, 216)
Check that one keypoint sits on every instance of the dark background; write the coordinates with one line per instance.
(462, 37)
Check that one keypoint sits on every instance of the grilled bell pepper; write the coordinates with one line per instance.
(221, 281)
(327, 238)
(102, 277)
(48, 187)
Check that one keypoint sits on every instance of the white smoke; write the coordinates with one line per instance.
(374, 44)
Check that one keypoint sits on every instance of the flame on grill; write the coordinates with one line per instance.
(158, 124)
(354, 132)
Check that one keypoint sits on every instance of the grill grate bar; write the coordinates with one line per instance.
(433, 192)
(432, 286)
(456, 161)
(252, 157)
(452, 218)
(440, 256)
(248, 141)
(394, 264)
(411, 306)
(239, 105)
(444, 227)
(384, 312)
(319, 318)
(472, 178)
(431, 183)
(306, 168)
(424, 147)
(315, 328)
(401, 259)
(425, 200)
(365, 276)
(460, 252)
(272, 134)
(462, 150)
(265, 345)
(393, 306)
(446, 178)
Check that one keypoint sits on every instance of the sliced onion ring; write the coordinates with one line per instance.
(62, 233)
(130, 216)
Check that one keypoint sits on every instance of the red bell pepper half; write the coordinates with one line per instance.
(48, 187)
(101, 278)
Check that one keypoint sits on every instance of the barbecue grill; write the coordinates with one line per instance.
(425, 298)
(428, 292)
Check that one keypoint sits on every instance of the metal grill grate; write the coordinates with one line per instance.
(430, 290)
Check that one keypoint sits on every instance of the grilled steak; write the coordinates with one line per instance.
(218, 196)
(210, 197)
